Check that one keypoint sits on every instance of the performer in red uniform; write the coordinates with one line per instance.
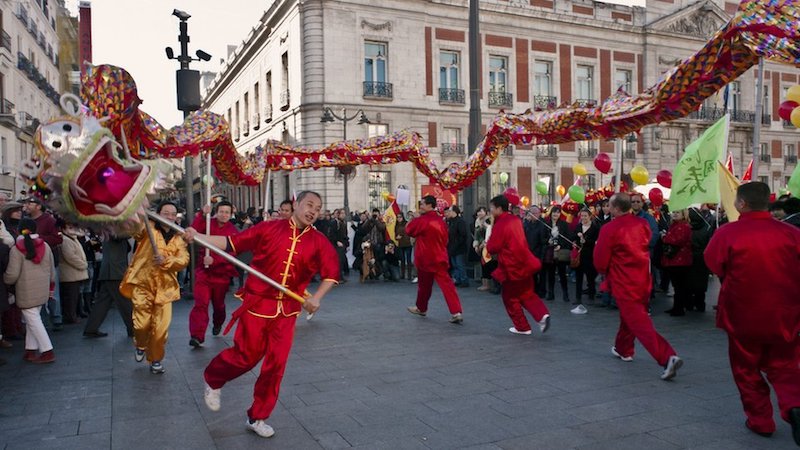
(212, 276)
(430, 257)
(757, 258)
(622, 254)
(291, 252)
(515, 269)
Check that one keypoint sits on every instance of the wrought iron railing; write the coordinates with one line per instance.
(452, 149)
(791, 159)
(499, 99)
(542, 102)
(787, 124)
(587, 153)
(268, 114)
(256, 121)
(546, 151)
(377, 89)
(586, 102)
(508, 151)
(6, 41)
(6, 107)
(451, 96)
(765, 157)
(630, 153)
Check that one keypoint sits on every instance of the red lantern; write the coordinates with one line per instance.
(656, 197)
(664, 178)
(786, 108)
(602, 162)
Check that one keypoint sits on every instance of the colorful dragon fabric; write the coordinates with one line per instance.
(760, 28)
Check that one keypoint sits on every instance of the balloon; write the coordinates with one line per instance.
(786, 108)
(795, 117)
(512, 195)
(656, 197)
(503, 177)
(579, 169)
(525, 201)
(577, 193)
(664, 178)
(208, 181)
(541, 187)
(639, 174)
(561, 190)
(602, 162)
(793, 94)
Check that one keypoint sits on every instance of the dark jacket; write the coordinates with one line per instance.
(403, 240)
(458, 238)
(589, 238)
(4, 250)
(337, 232)
(536, 234)
(115, 259)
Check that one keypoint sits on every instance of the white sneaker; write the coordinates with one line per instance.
(580, 309)
(261, 428)
(516, 331)
(672, 367)
(415, 280)
(618, 355)
(212, 398)
(544, 324)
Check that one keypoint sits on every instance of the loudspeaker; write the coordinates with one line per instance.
(188, 82)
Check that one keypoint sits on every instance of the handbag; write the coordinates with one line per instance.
(563, 255)
(575, 258)
(549, 255)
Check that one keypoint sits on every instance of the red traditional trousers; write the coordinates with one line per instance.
(207, 288)
(518, 294)
(425, 288)
(636, 323)
(781, 363)
(256, 338)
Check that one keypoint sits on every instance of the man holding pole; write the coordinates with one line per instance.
(291, 251)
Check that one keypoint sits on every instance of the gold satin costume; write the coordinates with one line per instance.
(152, 289)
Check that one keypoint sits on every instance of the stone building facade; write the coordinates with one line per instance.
(405, 63)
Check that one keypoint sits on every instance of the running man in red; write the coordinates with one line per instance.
(212, 276)
(757, 258)
(430, 257)
(515, 269)
(622, 254)
(290, 251)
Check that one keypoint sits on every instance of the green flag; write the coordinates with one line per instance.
(696, 177)
(794, 182)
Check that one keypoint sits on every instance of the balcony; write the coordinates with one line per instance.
(543, 102)
(6, 41)
(452, 149)
(787, 124)
(791, 159)
(586, 103)
(6, 107)
(256, 121)
(500, 99)
(377, 89)
(284, 100)
(765, 158)
(587, 153)
(629, 154)
(737, 115)
(268, 114)
(22, 15)
(451, 96)
(546, 151)
(508, 151)
(246, 128)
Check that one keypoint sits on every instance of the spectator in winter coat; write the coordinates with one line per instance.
(458, 241)
(73, 271)
(698, 276)
(677, 260)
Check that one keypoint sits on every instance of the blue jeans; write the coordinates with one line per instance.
(457, 267)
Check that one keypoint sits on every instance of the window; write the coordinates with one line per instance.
(497, 73)
(230, 118)
(257, 107)
(451, 141)
(237, 122)
(375, 62)
(3, 155)
(378, 183)
(583, 75)
(733, 100)
(377, 129)
(23, 150)
(764, 179)
(246, 113)
(788, 150)
(550, 180)
(285, 82)
(764, 150)
(448, 70)
(268, 98)
(590, 181)
(623, 79)
(543, 78)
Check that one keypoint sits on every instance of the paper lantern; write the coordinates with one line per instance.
(656, 197)
(602, 162)
(639, 174)
(664, 178)
(579, 169)
(576, 193)
(541, 187)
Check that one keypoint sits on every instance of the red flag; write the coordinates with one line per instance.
(748, 174)
(729, 162)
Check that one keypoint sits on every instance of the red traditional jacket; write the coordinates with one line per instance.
(287, 254)
(514, 260)
(757, 258)
(221, 269)
(622, 253)
(679, 235)
(430, 250)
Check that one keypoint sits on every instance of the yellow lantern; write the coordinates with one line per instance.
(579, 169)
(639, 175)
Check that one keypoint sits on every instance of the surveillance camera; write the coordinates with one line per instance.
(170, 53)
(183, 15)
(203, 55)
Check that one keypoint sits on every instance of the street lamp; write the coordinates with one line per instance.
(328, 116)
(188, 87)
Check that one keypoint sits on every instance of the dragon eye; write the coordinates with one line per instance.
(67, 127)
(56, 144)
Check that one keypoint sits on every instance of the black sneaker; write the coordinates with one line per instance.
(194, 342)
(216, 330)
(794, 419)
(94, 334)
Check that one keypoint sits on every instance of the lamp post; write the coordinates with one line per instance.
(328, 116)
(188, 87)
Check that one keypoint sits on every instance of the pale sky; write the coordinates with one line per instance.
(133, 35)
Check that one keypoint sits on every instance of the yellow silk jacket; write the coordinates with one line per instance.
(160, 280)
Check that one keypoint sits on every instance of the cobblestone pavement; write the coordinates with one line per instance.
(366, 374)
